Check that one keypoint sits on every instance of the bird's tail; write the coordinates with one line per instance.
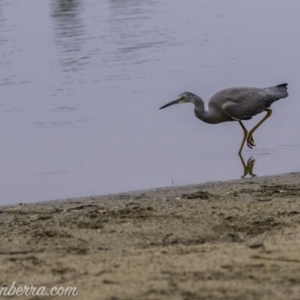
(279, 91)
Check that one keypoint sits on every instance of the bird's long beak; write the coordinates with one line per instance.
(177, 101)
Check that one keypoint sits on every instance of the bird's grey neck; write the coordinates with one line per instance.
(201, 113)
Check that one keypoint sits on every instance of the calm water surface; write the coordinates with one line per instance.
(81, 83)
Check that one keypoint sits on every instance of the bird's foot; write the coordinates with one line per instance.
(250, 141)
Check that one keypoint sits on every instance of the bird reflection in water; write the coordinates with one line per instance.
(248, 167)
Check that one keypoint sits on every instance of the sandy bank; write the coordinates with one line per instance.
(222, 240)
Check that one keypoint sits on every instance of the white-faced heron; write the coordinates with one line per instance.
(235, 104)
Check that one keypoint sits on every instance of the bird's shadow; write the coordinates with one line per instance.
(248, 167)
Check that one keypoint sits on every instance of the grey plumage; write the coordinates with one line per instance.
(235, 104)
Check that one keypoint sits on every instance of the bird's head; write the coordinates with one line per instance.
(182, 98)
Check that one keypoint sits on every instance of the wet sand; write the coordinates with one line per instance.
(223, 240)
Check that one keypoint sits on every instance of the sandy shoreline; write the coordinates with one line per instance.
(221, 240)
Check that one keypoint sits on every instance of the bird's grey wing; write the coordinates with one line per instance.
(243, 104)
(275, 93)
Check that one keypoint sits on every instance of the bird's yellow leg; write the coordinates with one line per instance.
(250, 140)
(245, 136)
